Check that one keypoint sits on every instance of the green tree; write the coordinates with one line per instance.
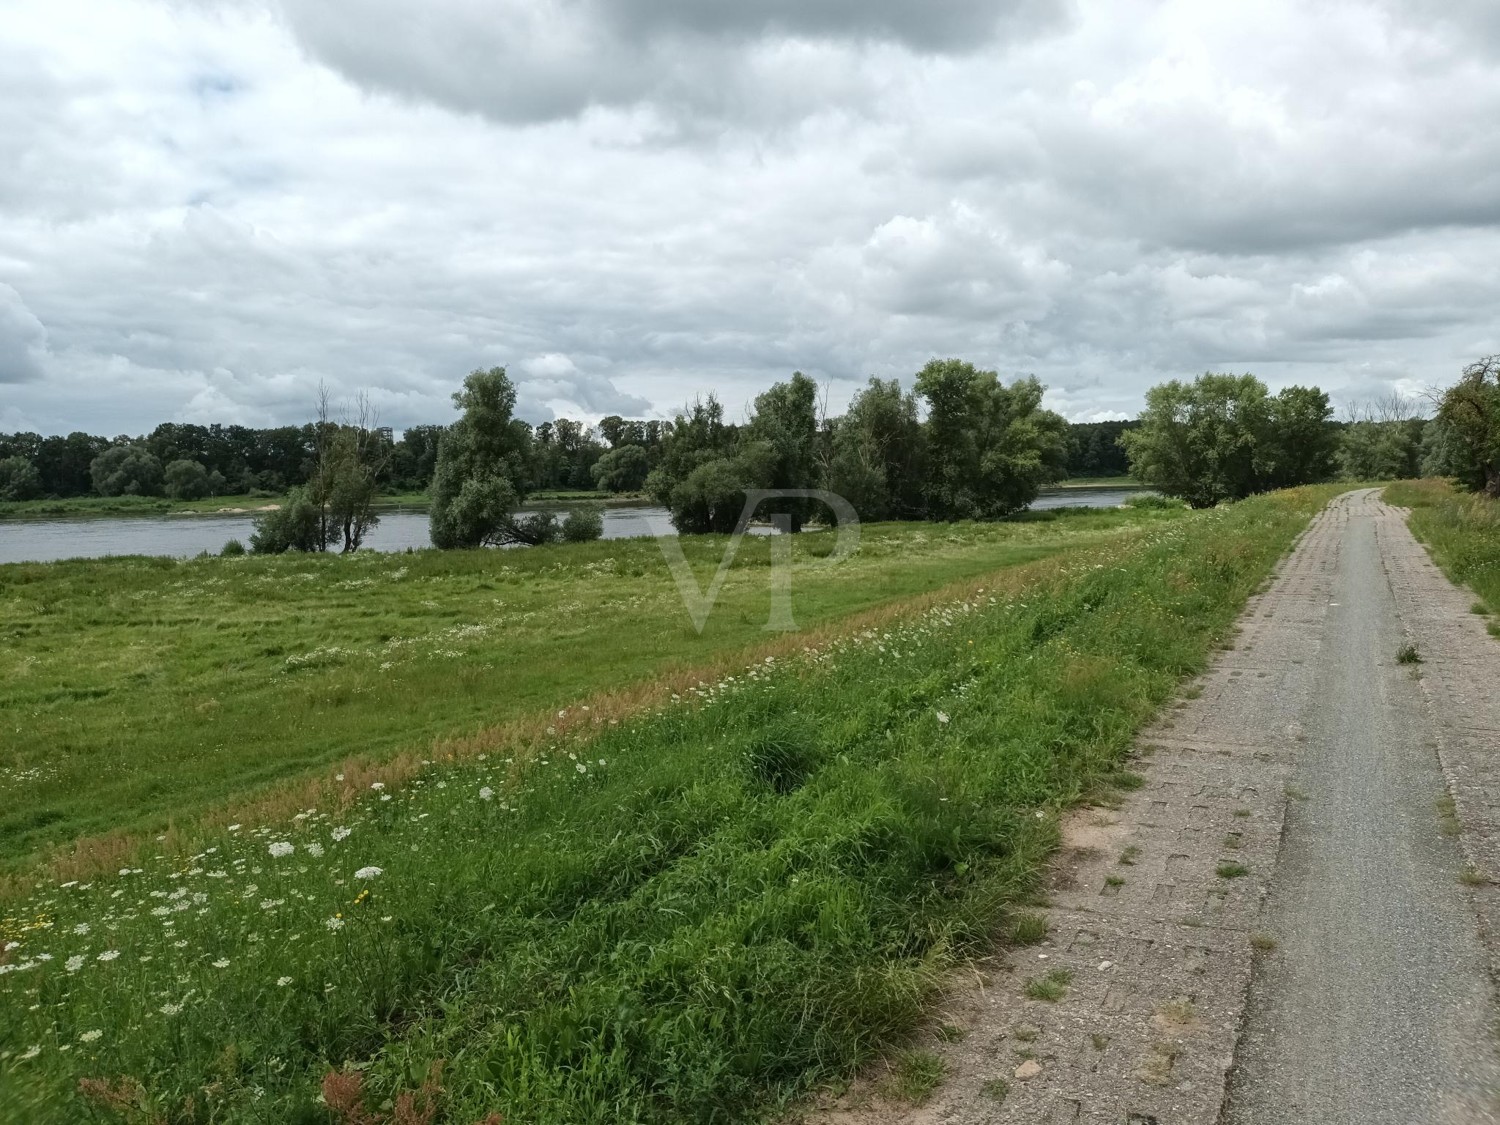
(785, 423)
(297, 524)
(877, 446)
(1470, 409)
(622, 469)
(126, 470)
(1202, 441)
(19, 479)
(480, 466)
(990, 447)
(186, 480)
(1301, 440)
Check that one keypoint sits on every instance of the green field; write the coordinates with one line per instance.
(138, 691)
(693, 911)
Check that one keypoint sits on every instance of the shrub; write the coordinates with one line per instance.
(583, 524)
(233, 548)
(1154, 501)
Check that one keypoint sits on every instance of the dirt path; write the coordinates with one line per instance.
(1290, 846)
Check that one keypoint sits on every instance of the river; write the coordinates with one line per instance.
(182, 536)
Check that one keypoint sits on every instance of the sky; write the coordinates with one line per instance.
(208, 207)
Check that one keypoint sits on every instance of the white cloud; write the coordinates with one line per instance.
(213, 208)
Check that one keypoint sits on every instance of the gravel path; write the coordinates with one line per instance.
(1289, 848)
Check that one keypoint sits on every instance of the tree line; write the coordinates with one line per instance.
(1222, 437)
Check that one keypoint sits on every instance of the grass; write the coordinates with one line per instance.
(1462, 530)
(996, 1089)
(630, 922)
(1231, 870)
(139, 692)
(914, 1076)
(1262, 942)
(1051, 988)
(1408, 654)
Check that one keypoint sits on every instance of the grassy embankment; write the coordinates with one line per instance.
(693, 915)
(1462, 530)
(162, 506)
(134, 691)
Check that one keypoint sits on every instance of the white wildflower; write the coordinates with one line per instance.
(31, 1053)
(170, 1009)
(334, 924)
(486, 793)
(81, 928)
(377, 785)
(942, 717)
(109, 955)
(342, 833)
(221, 963)
(368, 872)
(314, 849)
(281, 849)
(282, 982)
(90, 1036)
(73, 964)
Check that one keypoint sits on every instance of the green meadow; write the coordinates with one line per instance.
(140, 692)
(696, 911)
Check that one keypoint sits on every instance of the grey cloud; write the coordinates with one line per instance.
(23, 340)
(522, 61)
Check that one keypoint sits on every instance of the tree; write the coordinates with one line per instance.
(622, 469)
(785, 422)
(1094, 449)
(990, 447)
(126, 470)
(1301, 438)
(186, 480)
(352, 456)
(877, 448)
(480, 466)
(19, 479)
(1202, 440)
(1470, 409)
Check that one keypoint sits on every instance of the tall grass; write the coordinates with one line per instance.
(692, 916)
(138, 692)
(1462, 530)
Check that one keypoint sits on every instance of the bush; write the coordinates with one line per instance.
(1152, 501)
(187, 480)
(295, 526)
(232, 549)
(126, 470)
(584, 524)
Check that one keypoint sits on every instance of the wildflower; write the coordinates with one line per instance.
(377, 785)
(942, 717)
(221, 963)
(90, 1036)
(170, 1009)
(31, 1053)
(81, 928)
(109, 955)
(234, 827)
(282, 982)
(12, 945)
(314, 849)
(281, 849)
(486, 793)
(342, 833)
(73, 964)
(368, 872)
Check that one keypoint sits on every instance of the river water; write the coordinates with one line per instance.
(183, 536)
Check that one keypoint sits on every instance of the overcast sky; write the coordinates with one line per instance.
(207, 207)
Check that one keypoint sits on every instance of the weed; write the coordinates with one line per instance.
(1231, 870)
(1028, 929)
(950, 1033)
(1113, 881)
(1025, 1032)
(1262, 942)
(1447, 811)
(1233, 841)
(1131, 853)
(996, 1090)
(1051, 988)
(1100, 1041)
(1245, 812)
(1408, 654)
(1473, 877)
(914, 1076)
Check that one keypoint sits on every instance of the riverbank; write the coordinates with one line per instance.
(692, 909)
(84, 507)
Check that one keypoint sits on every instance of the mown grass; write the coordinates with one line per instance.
(1462, 530)
(694, 915)
(134, 692)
